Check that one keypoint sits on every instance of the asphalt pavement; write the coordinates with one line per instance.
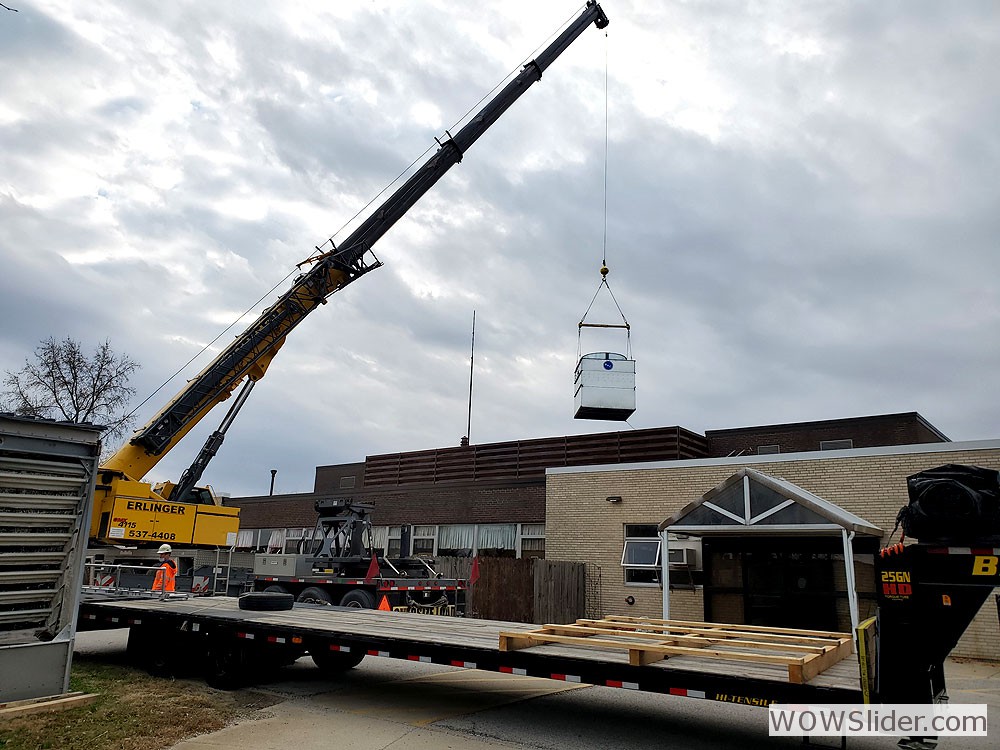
(387, 703)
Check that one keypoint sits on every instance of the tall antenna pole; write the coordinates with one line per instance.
(472, 365)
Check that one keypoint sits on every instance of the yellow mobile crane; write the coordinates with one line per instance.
(129, 510)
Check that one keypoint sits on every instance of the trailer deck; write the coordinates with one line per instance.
(475, 644)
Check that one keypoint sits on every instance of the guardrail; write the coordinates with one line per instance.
(108, 581)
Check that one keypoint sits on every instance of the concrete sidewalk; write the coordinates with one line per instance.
(416, 709)
(307, 725)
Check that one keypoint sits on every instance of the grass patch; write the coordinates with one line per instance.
(134, 711)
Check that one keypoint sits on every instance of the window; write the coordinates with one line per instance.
(457, 540)
(294, 540)
(836, 445)
(423, 540)
(641, 555)
(392, 545)
(347, 483)
(497, 539)
(532, 541)
(766, 450)
(379, 538)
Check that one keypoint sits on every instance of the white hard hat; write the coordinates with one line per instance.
(164, 549)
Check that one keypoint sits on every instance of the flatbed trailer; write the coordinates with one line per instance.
(927, 595)
(231, 643)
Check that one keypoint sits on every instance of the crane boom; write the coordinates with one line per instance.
(251, 352)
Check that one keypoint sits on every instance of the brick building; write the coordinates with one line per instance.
(588, 497)
(594, 513)
(490, 498)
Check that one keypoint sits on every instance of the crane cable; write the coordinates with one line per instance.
(604, 250)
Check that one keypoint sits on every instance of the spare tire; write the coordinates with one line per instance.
(266, 601)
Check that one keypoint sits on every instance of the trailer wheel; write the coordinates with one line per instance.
(154, 649)
(314, 595)
(266, 601)
(226, 666)
(333, 662)
(276, 589)
(358, 599)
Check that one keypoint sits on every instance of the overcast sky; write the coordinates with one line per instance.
(803, 211)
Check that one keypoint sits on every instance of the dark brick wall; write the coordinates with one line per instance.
(469, 504)
(277, 512)
(339, 478)
(866, 432)
(523, 503)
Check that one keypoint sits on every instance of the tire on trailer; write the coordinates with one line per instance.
(315, 595)
(274, 588)
(226, 666)
(334, 662)
(358, 599)
(266, 601)
(154, 649)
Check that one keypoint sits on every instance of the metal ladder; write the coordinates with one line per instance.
(220, 572)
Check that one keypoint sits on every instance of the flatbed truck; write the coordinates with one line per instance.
(927, 596)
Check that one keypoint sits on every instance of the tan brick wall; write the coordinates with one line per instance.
(582, 526)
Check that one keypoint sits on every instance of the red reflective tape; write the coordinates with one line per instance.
(507, 670)
(678, 691)
(558, 676)
(613, 683)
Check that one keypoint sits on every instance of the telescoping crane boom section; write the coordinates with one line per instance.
(250, 353)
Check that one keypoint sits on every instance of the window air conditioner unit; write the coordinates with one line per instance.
(681, 556)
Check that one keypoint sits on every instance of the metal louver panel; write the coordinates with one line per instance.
(47, 474)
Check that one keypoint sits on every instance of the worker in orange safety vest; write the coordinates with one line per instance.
(167, 572)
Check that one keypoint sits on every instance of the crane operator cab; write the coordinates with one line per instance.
(605, 387)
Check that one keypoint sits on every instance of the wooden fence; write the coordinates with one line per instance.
(529, 590)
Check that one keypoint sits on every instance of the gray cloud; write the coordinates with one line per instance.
(801, 212)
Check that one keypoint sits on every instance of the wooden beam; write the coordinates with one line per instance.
(47, 704)
(804, 657)
(813, 665)
(729, 626)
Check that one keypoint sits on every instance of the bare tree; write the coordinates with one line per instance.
(64, 383)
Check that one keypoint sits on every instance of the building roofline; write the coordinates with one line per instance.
(677, 429)
(888, 450)
(828, 422)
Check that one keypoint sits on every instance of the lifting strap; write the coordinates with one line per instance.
(624, 324)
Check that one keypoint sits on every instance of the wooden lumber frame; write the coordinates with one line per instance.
(804, 653)
(48, 704)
